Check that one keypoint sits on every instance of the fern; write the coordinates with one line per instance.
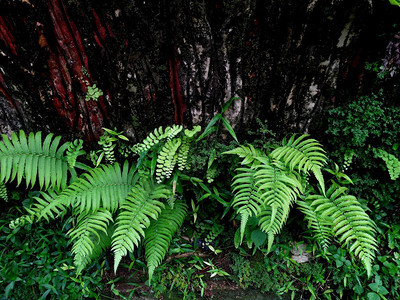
(34, 160)
(166, 159)
(160, 232)
(211, 173)
(85, 235)
(73, 151)
(272, 219)
(247, 200)
(350, 223)
(155, 137)
(104, 187)
(269, 185)
(183, 150)
(248, 153)
(141, 205)
(304, 154)
(3, 192)
(391, 161)
(321, 225)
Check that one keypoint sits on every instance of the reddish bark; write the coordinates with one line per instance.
(176, 90)
(66, 66)
(99, 26)
(7, 37)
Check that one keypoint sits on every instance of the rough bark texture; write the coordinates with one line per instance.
(163, 62)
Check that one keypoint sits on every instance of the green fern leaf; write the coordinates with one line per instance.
(85, 235)
(277, 186)
(247, 200)
(3, 192)
(166, 159)
(321, 225)
(249, 154)
(26, 157)
(158, 235)
(351, 224)
(183, 153)
(272, 219)
(304, 154)
(141, 205)
(104, 187)
(391, 161)
(155, 137)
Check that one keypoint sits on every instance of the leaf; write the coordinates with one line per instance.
(229, 103)
(230, 129)
(158, 235)
(395, 2)
(258, 237)
(209, 129)
(373, 296)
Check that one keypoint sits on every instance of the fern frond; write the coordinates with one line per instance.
(34, 160)
(104, 187)
(3, 192)
(155, 137)
(321, 225)
(85, 235)
(183, 152)
(391, 161)
(302, 153)
(141, 204)
(277, 186)
(158, 235)
(73, 151)
(272, 219)
(191, 133)
(247, 200)
(166, 159)
(351, 224)
(248, 153)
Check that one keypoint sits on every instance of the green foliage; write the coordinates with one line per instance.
(93, 93)
(392, 162)
(113, 205)
(213, 125)
(3, 192)
(156, 137)
(350, 222)
(85, 236)
(141, 204)
(159, 234)
(269, 184)
(39, 267)
(74, 150)
(34, 160)
(395, 2)
(167, 158)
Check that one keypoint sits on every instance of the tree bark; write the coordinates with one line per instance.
(163, 62)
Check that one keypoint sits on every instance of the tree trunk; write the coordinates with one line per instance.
(163, 62)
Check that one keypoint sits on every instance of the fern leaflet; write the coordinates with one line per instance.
(104, 187)
(351, 224)
(29, 158)
(141, 204)
(3, 192)
(85, 235)
(160, 232)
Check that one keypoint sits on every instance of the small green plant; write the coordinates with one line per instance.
(93, 93)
